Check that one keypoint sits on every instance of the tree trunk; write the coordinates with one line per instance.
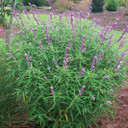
(11, 22)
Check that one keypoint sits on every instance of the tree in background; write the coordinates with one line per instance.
(97, 5)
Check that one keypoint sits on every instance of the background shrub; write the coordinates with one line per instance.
(36, 2)
(35, 71)
(122, 2)
(97, 5)
(112, 5)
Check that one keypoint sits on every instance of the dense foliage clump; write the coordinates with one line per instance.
(112, 5)
(97, 5)
(66, 70)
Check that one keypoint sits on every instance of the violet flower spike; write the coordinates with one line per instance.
(110, 41)
(109, 102)
(51, 7)
(82, 43)
(55, 62)
(52, 90)
(116, 18)
(89, 8)
(74, 35)
(32, 12)
(21, 20)
(80, 15)
(72, 20)
(81, 90)
(36, 9)
(122, 95)
(10, 54)
(115, 56)
(93, 63)
(34, 34)
(26, 56)
(40, 45)
(69, 43)
(80, 72)
(99, 58)
(118, 63)
(13, 13)
(7, 44)
(47, 37)
(25, 10)
(21, 34)
(46, 78)
(126, 61)
(93, 98)
(42, 28)
(49, 70)
(111, 90)
(105, 78)
(65, 57)
(125, 30)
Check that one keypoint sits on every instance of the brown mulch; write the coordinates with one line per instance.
(121, 113)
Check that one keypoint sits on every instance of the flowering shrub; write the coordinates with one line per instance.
(66, 71)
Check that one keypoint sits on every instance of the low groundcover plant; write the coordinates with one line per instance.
(66, 70)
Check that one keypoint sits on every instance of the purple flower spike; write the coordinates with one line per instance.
(60, 16)
(93, 98)
(117, 17)
(55, 62)
(7, 44)
(47, 36)
(110, 41)
(109, 102)
(118, 63)
(115, 56)
(51, 7)
(69, 44)
(26, 56)
(99, 58)
(126, 61)
(52, 90)
(36, 9)
(88, 11)
(46, 78)
(25, 11)
(74, 35)
(72, 19)
(56, 37)
(10, 55)
(80, 15)
(33, 13)
(122, 95)
(125, 30)
(49, 69)
(105, 78)
(42, 28)
(80, 72)
(8, 70)
(93, 63)
(13, 13)
(65, 57)
(21, 34)
(81, 90)
(82, 43)
(111, 90)
(34, 34)
(40, 45)
(21, 20)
